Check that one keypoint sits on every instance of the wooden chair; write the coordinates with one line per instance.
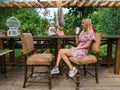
(34, 59)
(89, 59)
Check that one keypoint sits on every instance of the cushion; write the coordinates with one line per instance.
(84, 60)
(40, 59)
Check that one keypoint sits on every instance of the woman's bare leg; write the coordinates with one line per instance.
(63, 54)
(66, 60)
(58, 59)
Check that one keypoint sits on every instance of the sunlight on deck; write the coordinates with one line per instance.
(107, 81)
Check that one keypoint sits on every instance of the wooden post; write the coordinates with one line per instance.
(59, 46)
(109, 52)
(11, 54)
(117, 61)
(1, 44)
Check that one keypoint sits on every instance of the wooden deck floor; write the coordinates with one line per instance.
(107, 81)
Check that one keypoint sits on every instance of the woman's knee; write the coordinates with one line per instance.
(61, 50)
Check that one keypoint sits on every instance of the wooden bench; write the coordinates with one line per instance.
(3, 61)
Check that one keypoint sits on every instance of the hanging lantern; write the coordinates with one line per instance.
(13, 24)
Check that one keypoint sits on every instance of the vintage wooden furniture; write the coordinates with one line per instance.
(91, 58)
(12, 40)
(3, 61)
(34, 59)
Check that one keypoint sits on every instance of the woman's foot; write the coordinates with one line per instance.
(55, 70)
(72, 72)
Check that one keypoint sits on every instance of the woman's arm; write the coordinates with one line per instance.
(87, 45)
(77, 39)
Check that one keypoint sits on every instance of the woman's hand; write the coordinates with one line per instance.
(74, 48)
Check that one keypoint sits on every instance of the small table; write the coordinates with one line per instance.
(3, 61)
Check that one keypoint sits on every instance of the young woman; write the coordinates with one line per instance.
(84, 41)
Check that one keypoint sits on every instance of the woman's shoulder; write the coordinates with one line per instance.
(90, 32)
(91, 35)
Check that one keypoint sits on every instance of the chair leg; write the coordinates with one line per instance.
(96, 72)
(32, 71)
(67, 71)
(84, 67)
(3, 66)
(78, 78)
(25, 76)
(49, 78)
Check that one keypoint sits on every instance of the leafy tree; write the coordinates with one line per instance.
(5, 13)
(30, 19)
(106, 20)
(74, 17)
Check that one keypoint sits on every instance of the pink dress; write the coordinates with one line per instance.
(83, 38)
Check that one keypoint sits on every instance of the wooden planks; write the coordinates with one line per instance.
(61, 3)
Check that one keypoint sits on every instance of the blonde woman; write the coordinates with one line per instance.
(84, 41)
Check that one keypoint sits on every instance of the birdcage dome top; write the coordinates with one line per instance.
(13, 22)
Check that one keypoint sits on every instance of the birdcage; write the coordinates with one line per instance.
(13, 23)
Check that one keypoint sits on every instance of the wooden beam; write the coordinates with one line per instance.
(65, 3)
(89, 3)
(50, 2)
(27, 3)
(16, 4)
(1, 5)
(60, 3)
(81, 4)
(8, 4)
(112, 4)
(104, 3)
(95, 4)
(39, 4)
(118, 4)
(74, 3)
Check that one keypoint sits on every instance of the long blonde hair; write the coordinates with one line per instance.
(88, 23)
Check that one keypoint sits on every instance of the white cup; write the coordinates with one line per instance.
(77, 30)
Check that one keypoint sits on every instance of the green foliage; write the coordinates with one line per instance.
(5, 13)
(83, 11)
(74, 17)
(70, 23)
(106, 20)
(29, 18)
(103, 50)
(18, 53)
